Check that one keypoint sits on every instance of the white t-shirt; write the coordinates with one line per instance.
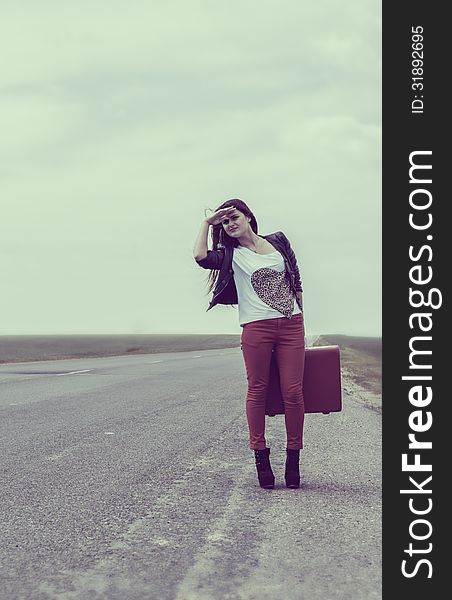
(263, 291)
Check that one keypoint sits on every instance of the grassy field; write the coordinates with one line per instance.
(22, 348)
(361, 356)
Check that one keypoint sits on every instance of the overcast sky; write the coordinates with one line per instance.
(122, 121)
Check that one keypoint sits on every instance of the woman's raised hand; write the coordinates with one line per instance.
(220, 214)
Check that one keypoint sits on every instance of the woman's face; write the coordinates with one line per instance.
(236, 224)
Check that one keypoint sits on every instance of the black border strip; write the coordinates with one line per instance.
(415, 119)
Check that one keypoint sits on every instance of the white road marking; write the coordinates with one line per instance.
(109, 432)
(155, 361)
(73, 372)
(197, 356)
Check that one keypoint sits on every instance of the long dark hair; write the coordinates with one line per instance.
(220, 239)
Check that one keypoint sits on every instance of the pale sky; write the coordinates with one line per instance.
(122, 121)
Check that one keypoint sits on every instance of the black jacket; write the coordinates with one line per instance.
(225, 291)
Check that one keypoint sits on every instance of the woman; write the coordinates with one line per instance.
(259, 273)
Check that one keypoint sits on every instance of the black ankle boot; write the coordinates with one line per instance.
(292, 474)
(264, 470)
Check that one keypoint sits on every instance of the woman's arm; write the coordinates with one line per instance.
(207, 259)
(300, 299)
(200, 248)
(293, 262)
(210, 259)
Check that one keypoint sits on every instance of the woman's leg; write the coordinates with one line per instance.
(289, 354)
(257, 343)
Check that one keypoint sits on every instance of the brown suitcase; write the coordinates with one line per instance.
(322, 389)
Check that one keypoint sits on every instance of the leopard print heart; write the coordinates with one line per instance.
(273, 288)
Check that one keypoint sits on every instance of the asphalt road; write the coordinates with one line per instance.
(131, 478)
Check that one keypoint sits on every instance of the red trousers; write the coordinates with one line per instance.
(286, 336)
